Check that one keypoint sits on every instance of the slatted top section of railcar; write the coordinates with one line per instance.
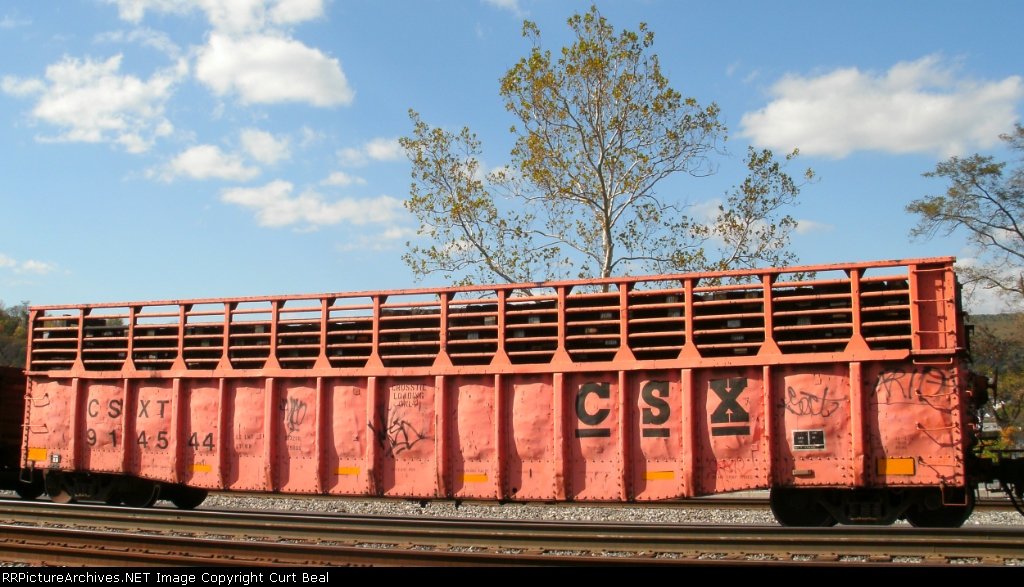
(905, 305)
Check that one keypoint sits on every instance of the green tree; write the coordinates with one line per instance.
(13, 335)
(986, 199)
(1001, 355)
(599, 128)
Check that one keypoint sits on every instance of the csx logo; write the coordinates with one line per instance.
(654, 393)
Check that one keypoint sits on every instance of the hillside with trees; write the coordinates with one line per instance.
(13, 334)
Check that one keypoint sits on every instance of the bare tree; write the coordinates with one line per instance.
(987, 200)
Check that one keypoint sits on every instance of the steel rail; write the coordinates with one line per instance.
(406, 534)
(697, 503)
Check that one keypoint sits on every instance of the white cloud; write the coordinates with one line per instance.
(29, 266)
(311, 137)
(36, 267)
(387, 240)
(397, 232)
(22, 87)
(352, 157)
(341, 179)
(229, 16)
(263, 147)
(384, 150)
(378, 149)
(915, 107)
(268, 69)
(510, 5)
(93, 103)
(144, 36)
(250, 56)
(12, 21)
(208, 161)
(275, 207)
(806, 226)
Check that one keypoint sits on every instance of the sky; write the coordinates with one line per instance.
(171, 149)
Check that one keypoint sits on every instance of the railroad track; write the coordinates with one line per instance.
(49, 533)
(709, 503)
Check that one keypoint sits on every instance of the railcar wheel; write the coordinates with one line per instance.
(138, 493)
(942, 516)
(30, 491)
(113, 498)
(188, 498)
(57, 489)
(799, 508)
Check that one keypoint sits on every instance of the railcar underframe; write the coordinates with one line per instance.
(841, 388)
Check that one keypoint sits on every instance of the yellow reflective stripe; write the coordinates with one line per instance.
(36, 454)
(659, 475)
(469, 478)
(346, 471)
(201, 468)
(896, 467)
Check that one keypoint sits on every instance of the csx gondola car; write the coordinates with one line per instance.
(843, 389)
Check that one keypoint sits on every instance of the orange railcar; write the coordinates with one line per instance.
(842, 388)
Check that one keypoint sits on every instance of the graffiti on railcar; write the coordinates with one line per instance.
(807, 403)
(920, 383)
(396, 433)
(729, 411)
(295, 412)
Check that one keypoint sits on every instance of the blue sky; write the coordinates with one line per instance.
(164, 149)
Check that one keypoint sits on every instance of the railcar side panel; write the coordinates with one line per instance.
(913, 424)
(814, 432)
(734, 447)
(246, 428)
(103, 448)
(347, 441)
(296, 432)
(474, 437)
(597, 432)
(405, 434)
(152, 439)
(531, 444)
(656, 439)
(49, 432)
(202, 446)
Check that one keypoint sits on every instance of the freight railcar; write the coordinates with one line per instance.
(841, 388)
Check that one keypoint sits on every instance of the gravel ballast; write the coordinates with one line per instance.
(566, 512)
